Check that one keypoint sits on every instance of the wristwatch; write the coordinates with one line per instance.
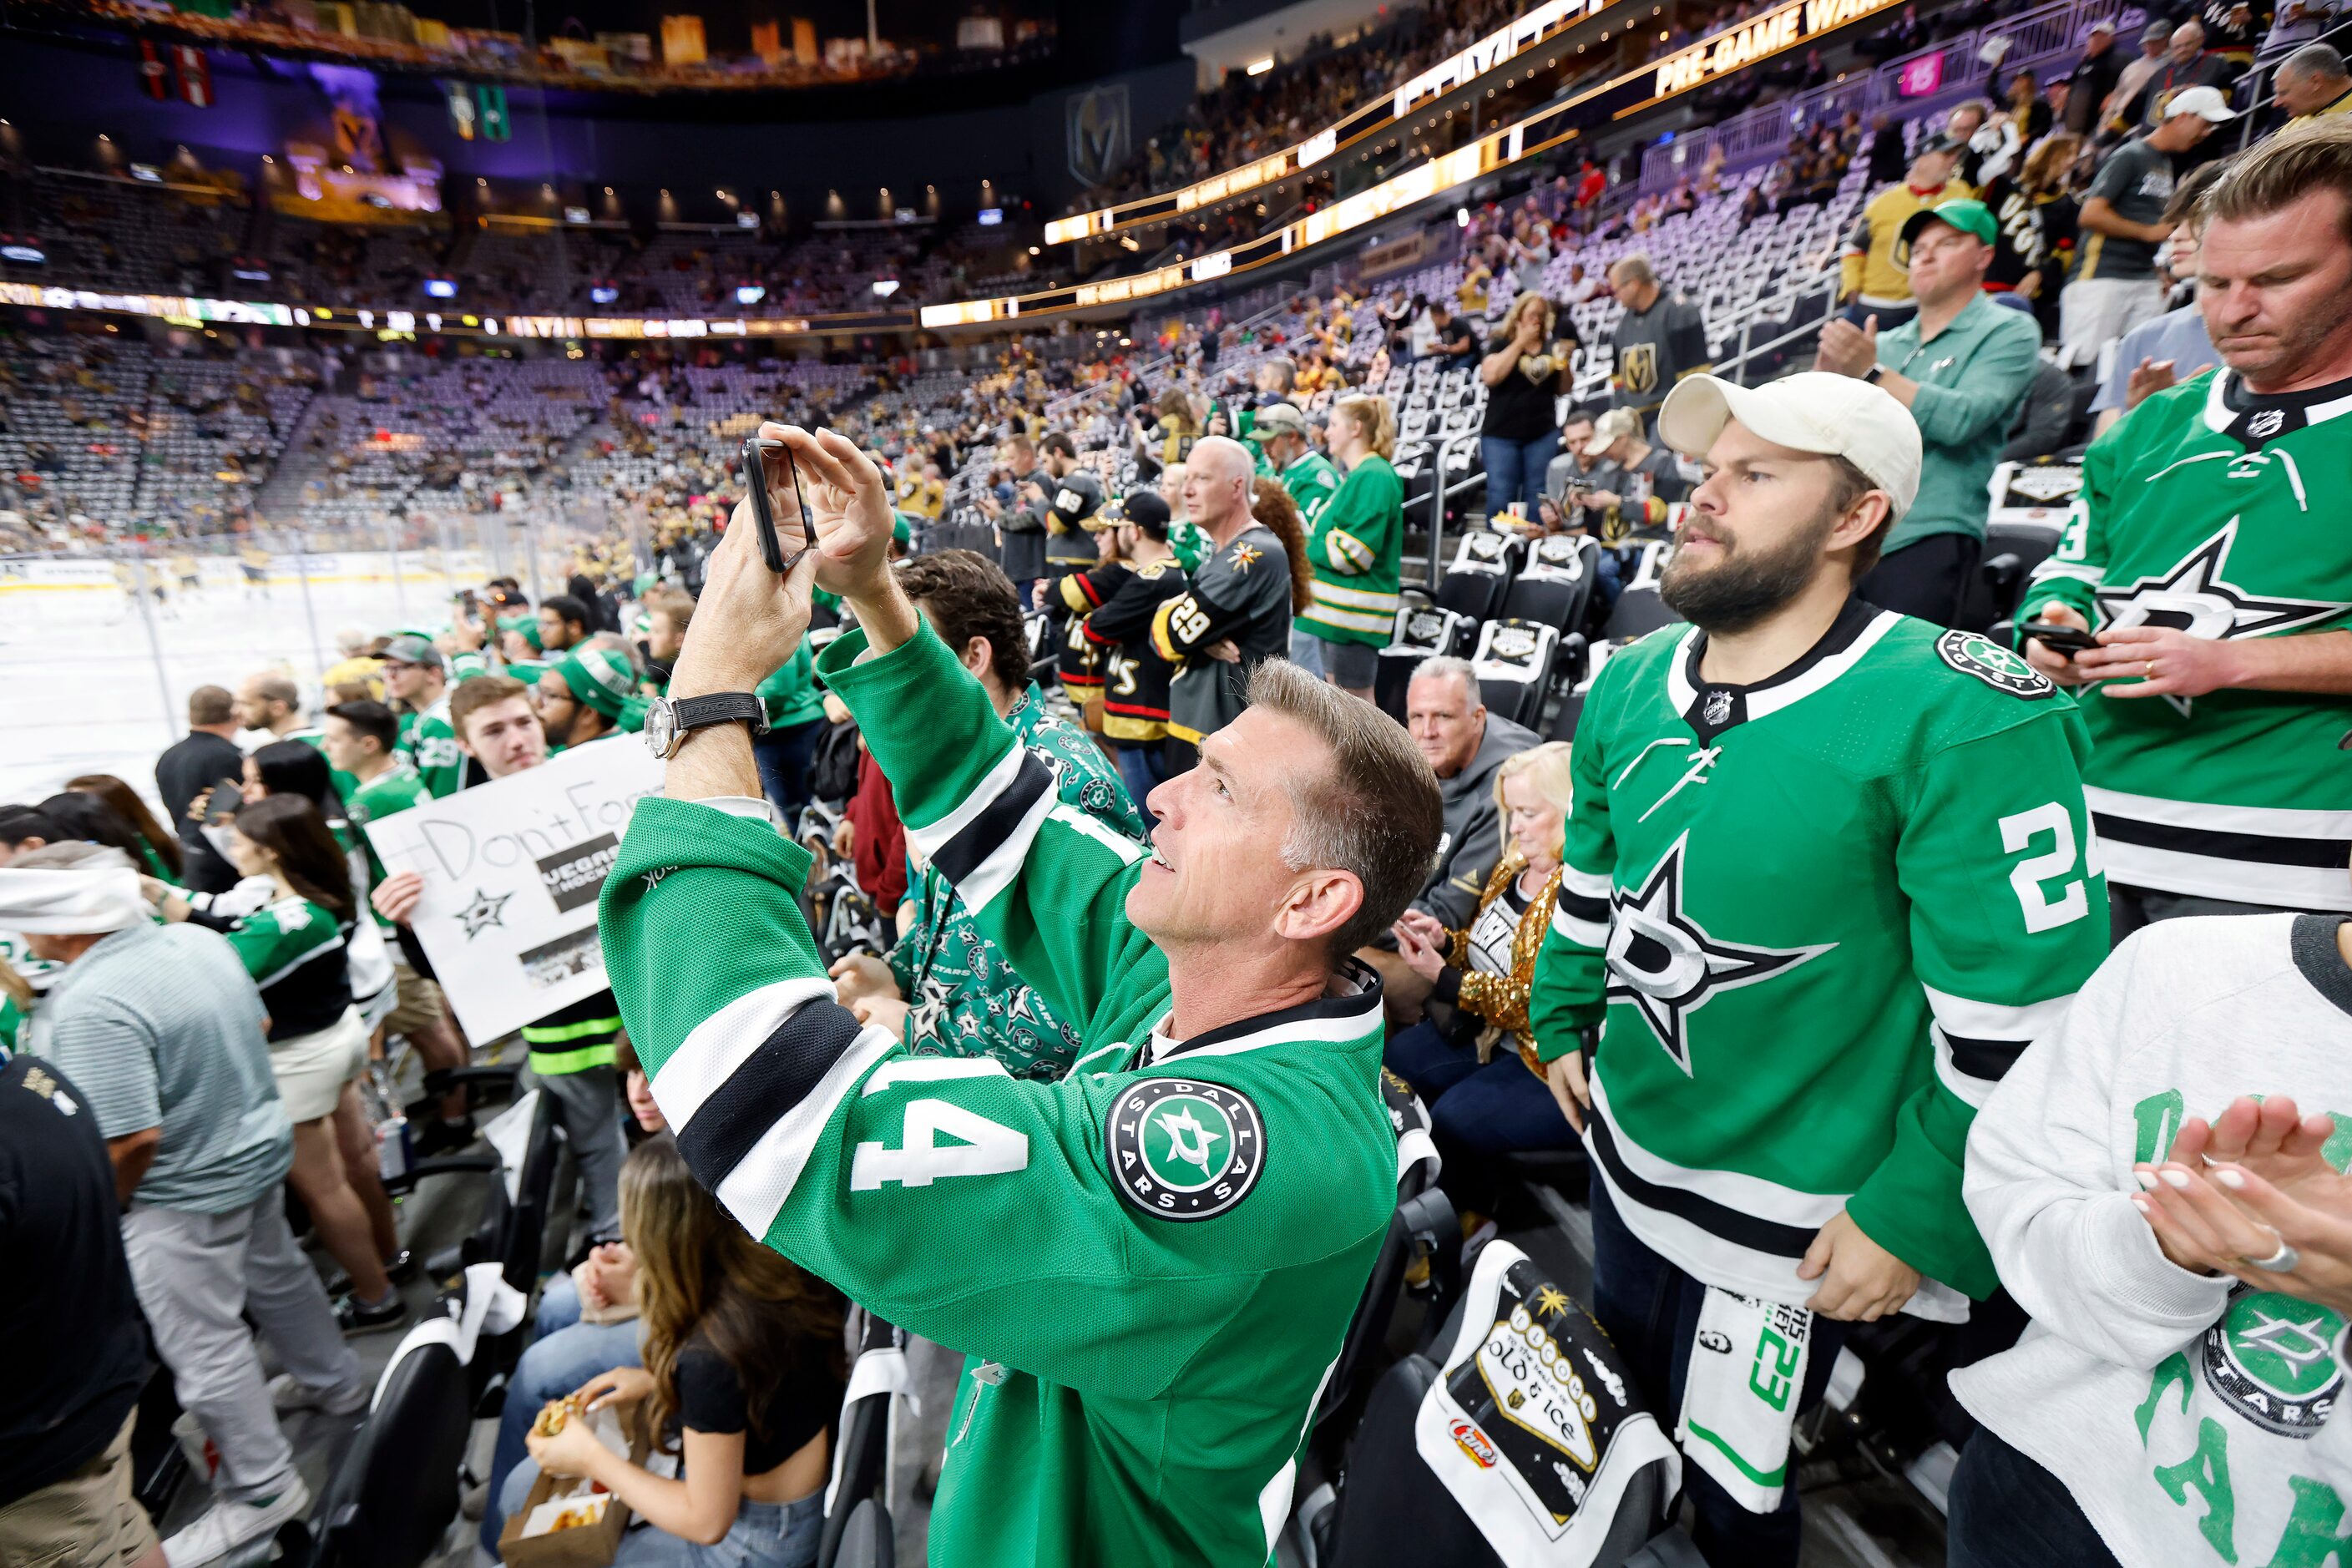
(1874, 373)
(668, 723)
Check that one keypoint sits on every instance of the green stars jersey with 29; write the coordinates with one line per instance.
(1152, 1261)
(2217, 513)
(1821, 916)
(432, 748)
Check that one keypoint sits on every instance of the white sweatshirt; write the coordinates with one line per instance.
(2195, 1421)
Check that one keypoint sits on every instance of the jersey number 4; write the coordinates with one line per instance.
(979, 1147)
(2029, 876)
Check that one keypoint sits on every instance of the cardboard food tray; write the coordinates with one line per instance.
(581, 1546)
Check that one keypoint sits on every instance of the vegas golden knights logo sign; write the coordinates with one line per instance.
(1097, 121)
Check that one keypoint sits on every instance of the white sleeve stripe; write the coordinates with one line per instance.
(721, 1043)
(1974, 1020)
(1590, 884)
(2071, 569)
(755, 1191)
(1584, 933)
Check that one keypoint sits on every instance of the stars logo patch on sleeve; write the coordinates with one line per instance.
(1182, 1149)
(1987, 661)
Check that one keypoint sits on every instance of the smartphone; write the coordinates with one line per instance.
(763, 515)
(226, 796)
(2059, 639)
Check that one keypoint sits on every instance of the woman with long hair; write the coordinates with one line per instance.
(1471, 1060)
(161, 853)
(743, 1377)
(91, 819)
(1526, 365)
(298, 768)
(1356, 553)
(295, 944)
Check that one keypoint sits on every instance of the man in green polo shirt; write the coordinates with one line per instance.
(1279, 433)
(1963, 366)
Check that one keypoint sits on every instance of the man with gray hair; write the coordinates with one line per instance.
(1239, 603)
(1156, 1255)
(2312, 84)
(1659, 340)
(1464, 744)
(161, 1029)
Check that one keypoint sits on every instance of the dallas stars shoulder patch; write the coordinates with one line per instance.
(1983, 660)
(1183, 1149)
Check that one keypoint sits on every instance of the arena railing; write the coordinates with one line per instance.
(1794, 24)
(2036, 38)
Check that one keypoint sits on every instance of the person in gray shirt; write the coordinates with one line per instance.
(1021, 522)
(162, 1031)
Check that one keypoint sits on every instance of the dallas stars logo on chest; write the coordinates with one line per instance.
(1666, 966)
(2195, 596)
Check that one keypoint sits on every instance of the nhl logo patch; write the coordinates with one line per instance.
(1987, 661)
(1183, 1149)
(2266, 424)
(1718, 707)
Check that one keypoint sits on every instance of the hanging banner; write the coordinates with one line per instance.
(152, 70)
(196, 74)
(512, 873)
(491, 102)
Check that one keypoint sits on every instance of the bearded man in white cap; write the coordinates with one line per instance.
(161, 1030)
(1825, 877)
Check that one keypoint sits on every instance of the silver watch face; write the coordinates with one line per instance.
(661, 727)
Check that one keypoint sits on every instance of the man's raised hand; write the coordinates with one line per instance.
(849, 505)
(748, 621)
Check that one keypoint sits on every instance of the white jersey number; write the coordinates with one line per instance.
(2041, 912)
(984, 1148)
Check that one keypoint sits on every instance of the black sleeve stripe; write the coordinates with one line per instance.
(960, 855)
(1593, 911)
(759, 1093)
(1986, 1059)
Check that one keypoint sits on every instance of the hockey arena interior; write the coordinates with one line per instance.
(1325, 783)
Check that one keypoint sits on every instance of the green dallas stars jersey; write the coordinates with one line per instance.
(295, 951)
(2218, 514)
(432, 747)
(390, 793)
(1822, 916)
(1355, 545)
(1311, 480)
(1153, 1260)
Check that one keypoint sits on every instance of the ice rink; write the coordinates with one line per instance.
(88, 684)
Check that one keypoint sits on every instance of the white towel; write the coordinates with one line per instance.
(1740, 1397)
(71, 903)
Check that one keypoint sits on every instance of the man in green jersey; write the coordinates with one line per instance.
(1153, 1259)
(417, 680)
(2208, 549)
(1826, 874)
(1279, 432)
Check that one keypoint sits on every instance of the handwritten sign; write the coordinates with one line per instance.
(512, 873)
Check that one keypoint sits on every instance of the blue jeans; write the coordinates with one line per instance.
(1490, 1110)
(783, 757)
(563, 1353)
(2009, 1512)
(1650, 1309)
(1142, 768)
(1514, 470)
(1306, 652)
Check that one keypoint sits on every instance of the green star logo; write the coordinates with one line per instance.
(1181, 1149)
(2273, 1357)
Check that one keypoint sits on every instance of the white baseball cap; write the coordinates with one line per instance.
(2205, 102)
(1813, 411)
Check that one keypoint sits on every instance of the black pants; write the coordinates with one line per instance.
(2010, 1513)
(1926, 579)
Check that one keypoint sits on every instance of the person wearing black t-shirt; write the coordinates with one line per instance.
(742, 1378)
(1525, 369)
(81, 1346)
(1453, 342)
